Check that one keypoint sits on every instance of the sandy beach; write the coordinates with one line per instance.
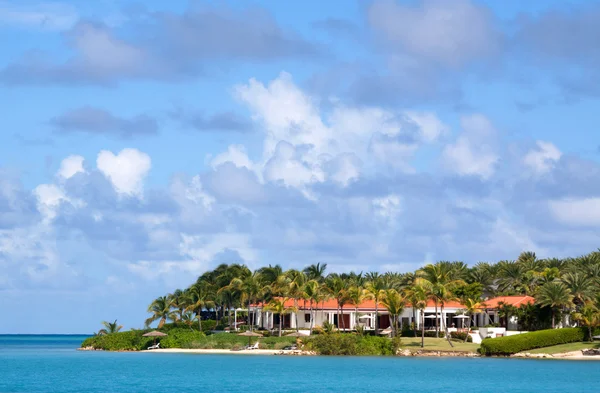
(230, 352)
(574, 355)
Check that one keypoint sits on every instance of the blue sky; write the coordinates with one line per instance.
(145, 142)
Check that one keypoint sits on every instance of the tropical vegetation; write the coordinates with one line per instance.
(567, 293)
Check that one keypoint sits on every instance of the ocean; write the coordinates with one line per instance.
(50, 363)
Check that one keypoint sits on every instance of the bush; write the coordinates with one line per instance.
(122, 341)
(522, 342)
(461, 336)
(208, 326)
(350, 344)
(181, 338)
(428, 333)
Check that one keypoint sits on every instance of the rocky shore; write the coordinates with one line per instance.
(429, 353)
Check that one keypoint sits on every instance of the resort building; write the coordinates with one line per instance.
(349, 317)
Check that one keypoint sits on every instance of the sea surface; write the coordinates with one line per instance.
(52, 364)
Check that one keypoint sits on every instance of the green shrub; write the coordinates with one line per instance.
(181, 338)
(522, 342)
(461, 336)
(428, 333)
(122, 341)
(350, 344)
(208, 325)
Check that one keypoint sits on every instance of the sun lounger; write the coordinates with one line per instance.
(156, 346)
(255, 346)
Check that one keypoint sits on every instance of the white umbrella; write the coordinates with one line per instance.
(431, 316)
(365, 317)
(463, 317)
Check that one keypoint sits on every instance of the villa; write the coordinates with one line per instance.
(350, 317)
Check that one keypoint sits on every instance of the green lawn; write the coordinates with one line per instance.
(437, 344)
(565, 348)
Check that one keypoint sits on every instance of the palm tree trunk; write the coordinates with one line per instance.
(199, 319)
(468, 329)
(446, 328)
(553, 318)
(296, 313)
(280, 323)
(437, 322)
(423, 328)
(311, 316)
(414, 327)
(355, 316)
(376, 316)
(249, 318)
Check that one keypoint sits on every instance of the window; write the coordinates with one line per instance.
(307, 317)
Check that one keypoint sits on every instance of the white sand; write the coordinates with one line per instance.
(218, 351)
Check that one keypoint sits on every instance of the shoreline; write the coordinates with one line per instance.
(262, 352)
(575, 355)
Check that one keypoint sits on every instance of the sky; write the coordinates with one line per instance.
(145, 142)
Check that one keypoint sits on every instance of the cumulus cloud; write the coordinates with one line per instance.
(126, 170)
(542, 158)
(70, 166)
(474, 151)
(98, 121)
(302, 141)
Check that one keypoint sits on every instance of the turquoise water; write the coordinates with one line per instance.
(51, 364)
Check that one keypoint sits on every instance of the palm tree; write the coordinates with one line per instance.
(555, 295)
(297, 280)
(356, 295)
(250, 288)
(418, 295)
(199, 298)
(394, 303)
(178, 299)
(110, 327)
(337, 288)
(188, 318)
(161, 311)
(316, 272)
(375, 288)
(314, 293)
(442, 277)
(580, 285)
(472, 307)
(588, 316)
(278, 306)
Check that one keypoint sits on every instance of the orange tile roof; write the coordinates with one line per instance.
(331, 304)
(516, 301)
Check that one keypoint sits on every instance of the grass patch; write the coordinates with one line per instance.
(566, 348)
(437, 344)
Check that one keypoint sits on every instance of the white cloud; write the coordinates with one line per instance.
(300, 139)
(543, 158)
(286, 165)
(70, 166)
(236, 154)
(578, 212)
(474, 151)
(49, 197)
(126, 170)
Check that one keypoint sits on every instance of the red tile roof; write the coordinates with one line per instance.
(369, 305)
(516, 301)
